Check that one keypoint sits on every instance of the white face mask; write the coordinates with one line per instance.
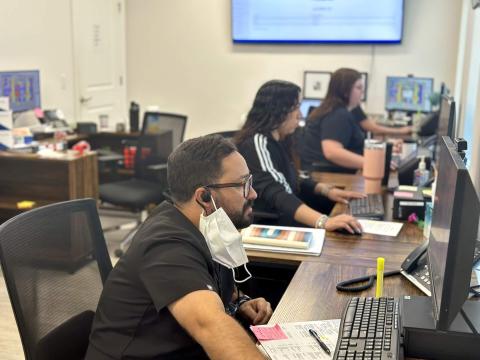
(224, 241)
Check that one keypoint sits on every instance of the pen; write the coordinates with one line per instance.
(319, 341)
(380, 268)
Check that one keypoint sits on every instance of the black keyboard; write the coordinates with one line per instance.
(370, 207)
(369, 330)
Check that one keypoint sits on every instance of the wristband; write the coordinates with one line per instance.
(243, 299)
(322, 220)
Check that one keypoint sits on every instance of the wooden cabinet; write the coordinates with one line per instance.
(45, 180)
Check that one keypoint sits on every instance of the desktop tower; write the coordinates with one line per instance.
(421, 339)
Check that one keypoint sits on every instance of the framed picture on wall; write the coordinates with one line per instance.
(365, 85)
(315, 84)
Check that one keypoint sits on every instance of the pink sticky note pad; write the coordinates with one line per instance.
(403, 194)
(268, 332)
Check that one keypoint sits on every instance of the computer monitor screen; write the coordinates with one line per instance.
(453, 235)
(408, 94)
(362, 21)
(22, 88)
(307, 106)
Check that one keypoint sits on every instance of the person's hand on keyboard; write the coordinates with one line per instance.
(344, 221)
(342, 196)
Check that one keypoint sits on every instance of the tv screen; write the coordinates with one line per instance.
(317, 21)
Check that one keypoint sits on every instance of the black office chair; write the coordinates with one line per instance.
(147, 188)
(229, 134)
(54, 295)
(154, 122)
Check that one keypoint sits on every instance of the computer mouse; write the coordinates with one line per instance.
(346, 232)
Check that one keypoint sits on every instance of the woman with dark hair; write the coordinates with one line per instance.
(264, 141)
(334, 133)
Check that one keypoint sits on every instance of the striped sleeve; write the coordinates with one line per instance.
(266, 163)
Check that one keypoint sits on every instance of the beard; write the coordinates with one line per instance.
(242, 219)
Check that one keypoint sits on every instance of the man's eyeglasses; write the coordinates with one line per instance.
(247, 186)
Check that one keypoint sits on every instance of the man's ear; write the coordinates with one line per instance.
(203, 197)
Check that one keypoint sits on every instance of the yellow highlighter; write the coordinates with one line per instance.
(25, 204)
(380, 269)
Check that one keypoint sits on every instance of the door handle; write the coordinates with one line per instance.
(85, 99)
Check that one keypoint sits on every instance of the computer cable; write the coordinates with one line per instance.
(473, 290)
(346, 285)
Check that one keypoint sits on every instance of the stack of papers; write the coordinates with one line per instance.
(386, 228)
(293, 340)
(315, 248)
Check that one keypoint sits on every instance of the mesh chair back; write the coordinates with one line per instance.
(152, 149)
(55, 262)
(230, 134)
(154, 122)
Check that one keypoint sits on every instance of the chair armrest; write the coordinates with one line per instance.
(109, 158)
(157, 166)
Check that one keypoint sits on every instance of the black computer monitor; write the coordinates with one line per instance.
(453, 235)
(307, 106)
(409, 94)
(388, 159)
(446, 123)
(429, 125)
(441, 123)
(446, 119)
(22, 88)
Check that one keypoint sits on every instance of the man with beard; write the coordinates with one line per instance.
(172, 295)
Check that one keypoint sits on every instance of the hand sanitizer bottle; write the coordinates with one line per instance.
(421, 174)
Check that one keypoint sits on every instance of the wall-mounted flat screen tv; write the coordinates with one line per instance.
(317, 21)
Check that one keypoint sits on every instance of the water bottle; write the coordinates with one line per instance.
(134, 116)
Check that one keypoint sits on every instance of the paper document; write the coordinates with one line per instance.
(268, 332)
(315, 247)
(386, 228)
(300, 344)
(407, 188)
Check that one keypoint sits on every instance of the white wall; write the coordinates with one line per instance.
(180, 56)
(467, 93)
(36, 34)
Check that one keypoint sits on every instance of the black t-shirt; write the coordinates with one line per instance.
(274, 175)
(167, 259)
(340, 125)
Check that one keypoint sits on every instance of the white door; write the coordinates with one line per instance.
(99, 62)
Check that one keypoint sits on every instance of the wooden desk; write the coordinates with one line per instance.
(312, 295)
(365, 248)
(45, 180)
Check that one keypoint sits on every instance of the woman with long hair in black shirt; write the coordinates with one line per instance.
(264, 141)
(334, 133)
